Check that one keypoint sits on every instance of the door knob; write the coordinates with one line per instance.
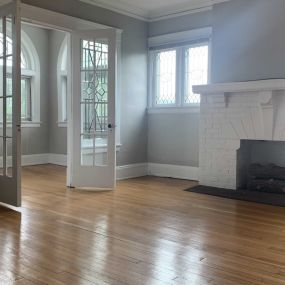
(111, 126)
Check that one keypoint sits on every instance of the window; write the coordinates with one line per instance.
(26, 114)
(62, 84)
(30, 81)
(196, 72)
(25, 84)
(176, 64)
(26, 100)
(165, 73)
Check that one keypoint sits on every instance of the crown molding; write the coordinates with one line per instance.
(121, 8)
(195, 6)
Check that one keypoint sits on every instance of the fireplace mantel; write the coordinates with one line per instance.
(231, 112)
(241, 87)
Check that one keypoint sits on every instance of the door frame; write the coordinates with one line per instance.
(11, 182)
(58, 21)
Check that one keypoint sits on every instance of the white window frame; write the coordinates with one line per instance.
(33, 73)
(175, 42)
(60, 74)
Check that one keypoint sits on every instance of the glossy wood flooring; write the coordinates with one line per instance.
(147, 231)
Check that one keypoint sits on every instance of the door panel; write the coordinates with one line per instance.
(93, 109)
(10, 102)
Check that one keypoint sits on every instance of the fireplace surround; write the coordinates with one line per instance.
(231, 113)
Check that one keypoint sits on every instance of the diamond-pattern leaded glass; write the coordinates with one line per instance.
(196, 71)
(165, 77)
(94, 98)
(94, 85)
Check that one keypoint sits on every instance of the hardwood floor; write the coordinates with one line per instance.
(147, 231)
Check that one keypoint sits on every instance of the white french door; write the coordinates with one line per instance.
(10, 103)
(92, 150)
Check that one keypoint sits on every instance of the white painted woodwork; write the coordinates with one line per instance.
(10, 185)
(231, 112)
(149, 10)
(81, 176)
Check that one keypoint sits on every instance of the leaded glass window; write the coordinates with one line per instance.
(196, 72)
(94, 99)
(165, 77)
(175, 71)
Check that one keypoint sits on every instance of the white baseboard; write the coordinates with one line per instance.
(44, 158)
(124, 171)
(173, 171)
(32, 159)
(131, 171)
(35, 159)
(57, 159)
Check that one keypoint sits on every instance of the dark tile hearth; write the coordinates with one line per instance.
(243, 195)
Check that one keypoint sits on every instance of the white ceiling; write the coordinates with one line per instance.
(154, 9)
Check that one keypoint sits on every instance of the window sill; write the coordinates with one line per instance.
(62, 124)
(24, 124)
(174, 110)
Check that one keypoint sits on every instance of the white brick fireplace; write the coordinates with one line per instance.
(231, 112)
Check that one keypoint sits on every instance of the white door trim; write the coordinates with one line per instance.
(43, 17)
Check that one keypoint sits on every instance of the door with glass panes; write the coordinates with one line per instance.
(10, 102)
(92, 156)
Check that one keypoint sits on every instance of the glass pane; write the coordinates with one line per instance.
(1, 115)
(1, 153)
(9, 101)
(165, 77)
(1, 40)
(64, 98)
(87, 150)
(196, 71)
(9, 171)
(9, 44)
(94, 102)
(6, 101)
(26, 99)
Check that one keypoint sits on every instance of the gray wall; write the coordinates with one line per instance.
(174, 138)
(179, 24)
(35, 140)
(248, 44)
(248, 40)
(134, 73)
(57, 135)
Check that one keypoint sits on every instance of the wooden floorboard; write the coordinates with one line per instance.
(148, 231)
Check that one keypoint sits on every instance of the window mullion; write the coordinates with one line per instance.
(183, 75)
(178, 77)
(154, 78)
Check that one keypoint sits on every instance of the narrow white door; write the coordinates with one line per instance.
(92, 155)
(10, 103)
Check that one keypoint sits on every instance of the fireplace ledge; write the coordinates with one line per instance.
(239, 87)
